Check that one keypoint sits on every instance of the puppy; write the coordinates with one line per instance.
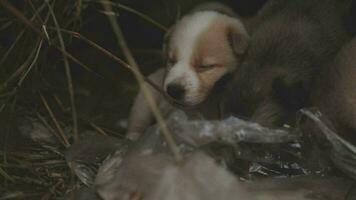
(202, 49)
(291, 41)
(336, 92)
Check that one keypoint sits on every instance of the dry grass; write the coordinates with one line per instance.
(41, 33)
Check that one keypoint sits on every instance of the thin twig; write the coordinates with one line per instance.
(98, 129)
(143, 16)
(18, 37)
(6, 176)
(32, 63)
(146, 92)
(60, 103)
(74, 59)
(34, 10)
(7, 53)
(133, 67)
(126, 65)
(79, 8)
(112, 132)
(46, 124)
(25, 21)
(6, 25)
(43, 22)
(18, 14)
(68, 73)
(23, 66)
(117, 59)
(65, 140)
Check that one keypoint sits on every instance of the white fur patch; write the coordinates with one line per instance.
(184, 39)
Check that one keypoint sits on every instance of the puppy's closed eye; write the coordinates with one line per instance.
(206, 67)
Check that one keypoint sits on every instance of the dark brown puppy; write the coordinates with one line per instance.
(336, 92)
(290, 42)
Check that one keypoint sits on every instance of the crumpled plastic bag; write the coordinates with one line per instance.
(192, 134)
(145, 169)
(36, 131)
(230, 130)
(342, 153)
(158, 177)
(227, 135)
(87, 154)
(148, 171)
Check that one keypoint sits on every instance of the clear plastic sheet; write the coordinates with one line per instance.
(157, 177)
(146, 168)
(231, 130)
(343, 153)
(232, 142)
(36, 131)
(90, 151)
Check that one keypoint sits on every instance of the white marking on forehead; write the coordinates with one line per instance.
(184, 40)
(185, 36)
(183, 75)
(189, 31)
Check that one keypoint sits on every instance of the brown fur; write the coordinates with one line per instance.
(213, 49)
(336, 91)
(291, 41)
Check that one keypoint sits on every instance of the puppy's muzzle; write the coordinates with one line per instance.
(175, 91)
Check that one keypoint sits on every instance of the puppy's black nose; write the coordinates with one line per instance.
(175, 91)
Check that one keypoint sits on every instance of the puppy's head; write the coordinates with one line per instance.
(202, 48)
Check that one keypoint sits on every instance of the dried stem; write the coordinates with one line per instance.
(143, 16)
(31, 58)
(6, 176)
(133, 69)
(68, 73)
(79, 7)
(24, 20)
(98, 129)
(117, 59)
(65, 140)
(146, 92)
(74, 59)
(32, 63)
(18, 14)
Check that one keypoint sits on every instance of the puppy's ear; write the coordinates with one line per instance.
(238, 37)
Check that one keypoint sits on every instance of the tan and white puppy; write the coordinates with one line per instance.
(201, 49)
